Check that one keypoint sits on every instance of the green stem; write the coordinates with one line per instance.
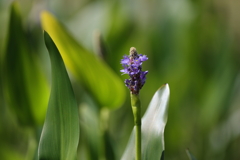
(136, 107)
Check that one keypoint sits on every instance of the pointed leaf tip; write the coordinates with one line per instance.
(60, 134)
(93, 73)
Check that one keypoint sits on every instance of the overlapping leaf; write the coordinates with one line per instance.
(153, 125)
(24, 85)
(103, 84)
(60, 134)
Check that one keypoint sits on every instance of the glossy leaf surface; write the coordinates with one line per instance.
(60, 134)
(103, 84)
(153, 125)
(24, 84)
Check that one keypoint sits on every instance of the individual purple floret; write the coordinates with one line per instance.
(132, 65)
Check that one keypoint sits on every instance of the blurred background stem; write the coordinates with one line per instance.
(108, 153)
(32, 144)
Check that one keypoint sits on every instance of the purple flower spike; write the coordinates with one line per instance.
(132, 65)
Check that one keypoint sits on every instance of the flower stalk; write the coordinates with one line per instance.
(132, 65)
(136, 108)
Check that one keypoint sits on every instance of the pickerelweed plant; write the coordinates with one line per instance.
(61, 132)
(147, 139)
(83, 126)
(132, 65)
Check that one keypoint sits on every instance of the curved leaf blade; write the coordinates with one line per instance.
(153, 125)
(103, 84)
(60, 134)
(25, 86)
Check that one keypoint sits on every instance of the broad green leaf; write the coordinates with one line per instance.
(103, 84)
(190, 156)
(24, 84)
(60, 134)
(153, 124)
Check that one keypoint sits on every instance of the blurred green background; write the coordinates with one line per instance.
(193, 45)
